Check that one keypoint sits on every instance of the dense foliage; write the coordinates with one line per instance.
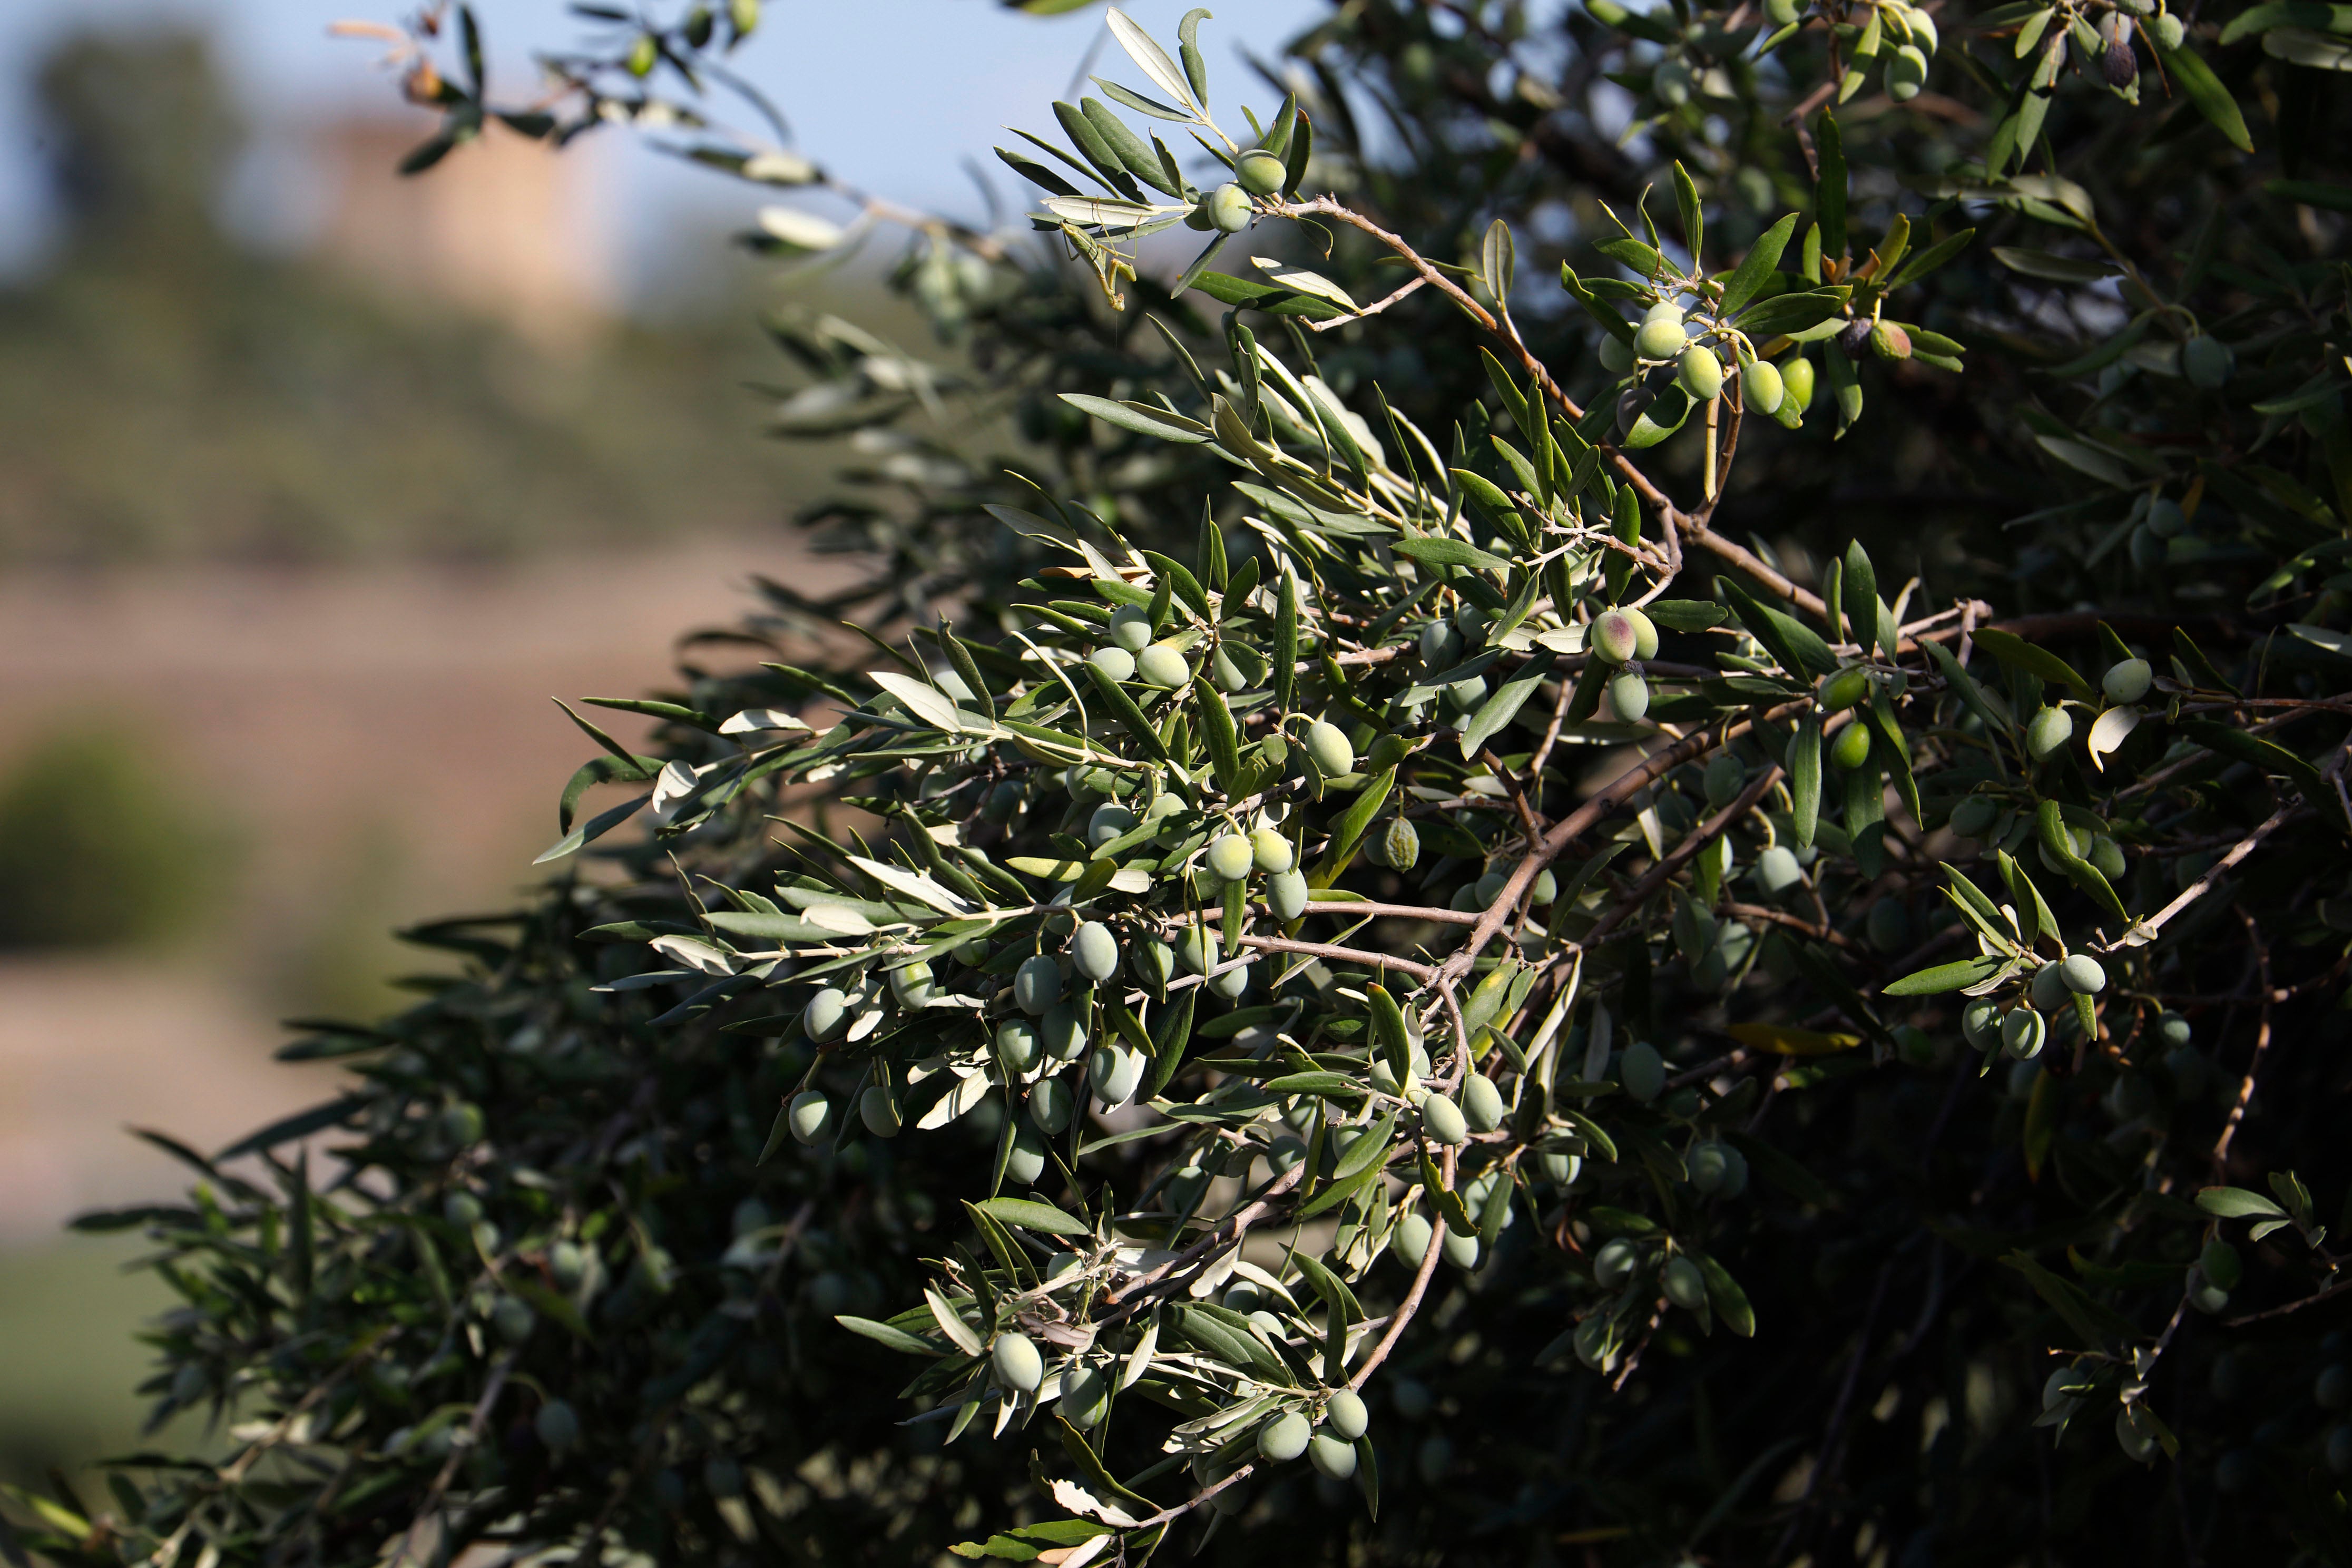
(1388, 989)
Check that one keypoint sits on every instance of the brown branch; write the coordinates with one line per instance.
(2253, 1064)
(1421, 972)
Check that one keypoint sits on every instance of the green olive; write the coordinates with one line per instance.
(1973, 816)
(2127, 680)
(1328, 746)
(1661, 338)
(879, 1110)
(1401, 845)
(1852, 747)
(1131, 629)
(1628, 697)
(1332, 1456)
(1482, 1103)
(2022, 1033)
(2082, 975)
(1843, 690)
(1700, 373)
(1285, 1438)
(1260, 172)
(810, 1118)
(1684, 1282)
(1036, 984)
(825, 1015)
(1760, 388)
(1345, 1413)
(1444, 1121)
(1050, 1105)
(1019, 1364)
(2048, 731)
(1228, 208)
(1642, 1072)
(1160, 664)
(1777, 871)
(1286, 894)
(1231, 856)
(1114, 662)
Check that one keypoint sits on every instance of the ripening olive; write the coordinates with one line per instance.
(1036, 984)
(1285, 1438)
(1019, 1364)
(1852, 747)
(1227, 209)
(1628, 697)
(1131, 629)
(1160, 664)
(879, 1111)
(1260, 172)
(1613, 638)
(1230, 857)
(1642, 1072)
(1443, 1120)
(1329, 749)
(2082, 975)
(2048, 731)
(1115, 662)
(810, 1117)
(1401, 845)
(1700, 373)
(1094, 950)
(1684, 1282)
(1760, 388)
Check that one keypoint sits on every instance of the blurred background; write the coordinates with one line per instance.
(316, 483)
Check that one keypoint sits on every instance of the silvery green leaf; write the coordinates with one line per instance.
(751, 721)
(920, 887)
(2109, 731)
(925, 702)
(800, 230)
(1305, 282)
(1149, 56)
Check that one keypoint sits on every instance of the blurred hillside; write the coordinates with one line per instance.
(442, 377)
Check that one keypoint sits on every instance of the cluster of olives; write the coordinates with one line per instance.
(1330, 1446)
(1229, 207)
(1654, 405)
(2023, 1029)
(1624, 637)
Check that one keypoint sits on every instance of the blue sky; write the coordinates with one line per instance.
(892, 94)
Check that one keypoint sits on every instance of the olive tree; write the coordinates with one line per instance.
(1624, 834)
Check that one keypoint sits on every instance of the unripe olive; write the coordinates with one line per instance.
(2047, 991)
(1017, 1044)
(1641, 1071)
(1330, 750)
(2082, 975)
(2164, 518)
(1160, 664)
(1700, 373)
(879, 1110)
(1852, 747)
(2127, 680)
(1332, 1456)
(1645, 632)
(1153, 963)
(1019, 1364)
(1036, 984)
(1003, 801)
(1482, 1103)
(1115, 1071)
(1628, 697)
(2219, 1263)
(1285, 1438)
(1050, 1105)
(1086, 1398)
(1443, 1120)
(974, 953)
(1062, 1032)
(1706, 1164)
(557, 1424)
(1115, 662)
(1614, 1263)
(462, 1123)
(1270, 851)
(2022, 1033)
(1981, 1022)
(1906, 73)
(1094, 950)
(1025, 1160)
(1345, 1415)
(1843, 690)
(2136, 1435)
(1684, 1282)
(1198, 949)
(1411, 1239)
(1735, 1172)
(1227, 209)
(1286, 894)
(2169, 34)
(1260, 172)
(567, 1261)
(1797, 384)
(1131, 629)
(1672, 82)
(2108, 855)
(2207, 362)
(1465, 695)
(1462, 1251)
(2048, 731)
(1441, 645)
(1230, 857)
(1777, 871)
(1616, 354)
(1490, 887)
(1545, 888)
(826, 1013)
(513, 1319)
(1760, 388)
(1661, 338)
(1973, 816)
(911, 984)
(2173, 1029)
(1613, 638)
(810, 1117)
(1228, 673)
